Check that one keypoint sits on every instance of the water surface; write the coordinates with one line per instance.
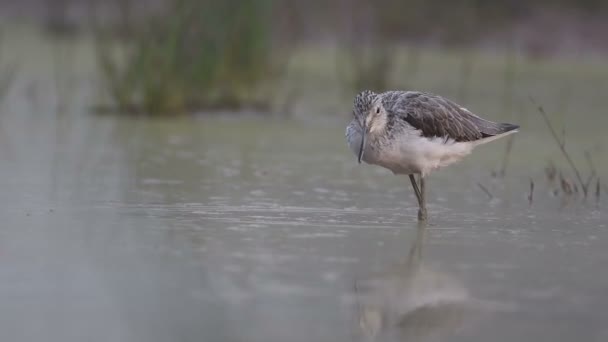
(242, 229)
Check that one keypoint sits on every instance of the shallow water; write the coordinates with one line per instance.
(241, 229)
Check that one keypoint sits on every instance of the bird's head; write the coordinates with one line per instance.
(370, 114)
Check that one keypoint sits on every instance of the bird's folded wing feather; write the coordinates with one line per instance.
(435, 116)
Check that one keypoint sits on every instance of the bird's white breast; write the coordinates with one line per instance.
(412, 153)
(407, 152)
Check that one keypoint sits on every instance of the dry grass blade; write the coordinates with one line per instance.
(567, 188)
(507, 98)
(485, 190)
(591, 167)
(505, 158)
(597, 191)
(531, 195)
(561, 143)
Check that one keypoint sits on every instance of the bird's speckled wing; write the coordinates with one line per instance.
(436, 116)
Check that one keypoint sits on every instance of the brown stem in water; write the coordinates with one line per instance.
(567, 188)
(531, 195)
(505, 158)
(597, 191)
(591, 167)
(485, 190)
(562, 146)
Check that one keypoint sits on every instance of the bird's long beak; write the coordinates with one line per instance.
(362, 147)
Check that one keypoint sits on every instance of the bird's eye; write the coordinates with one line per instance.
(378, 110)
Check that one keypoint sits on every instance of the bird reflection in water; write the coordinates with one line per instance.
(409, 302)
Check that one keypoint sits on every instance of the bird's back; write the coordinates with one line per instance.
(436, 116)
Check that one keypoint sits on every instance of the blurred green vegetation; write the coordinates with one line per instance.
(309, 57)
(211, 56)
(231, 55)
(201, 55)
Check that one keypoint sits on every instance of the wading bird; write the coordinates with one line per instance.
(410, 132)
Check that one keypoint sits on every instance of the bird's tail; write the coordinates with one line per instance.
(502, 130)
(507, 127)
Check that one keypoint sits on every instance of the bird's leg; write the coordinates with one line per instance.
(415, 255)
(416, 190)
(422, 216)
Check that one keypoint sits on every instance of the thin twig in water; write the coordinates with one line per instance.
(505, 158)
(566, 186)
(588, 182)
(562, 146)
(597, 191)
(591, 167)
(484, 189)
(531, 195)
